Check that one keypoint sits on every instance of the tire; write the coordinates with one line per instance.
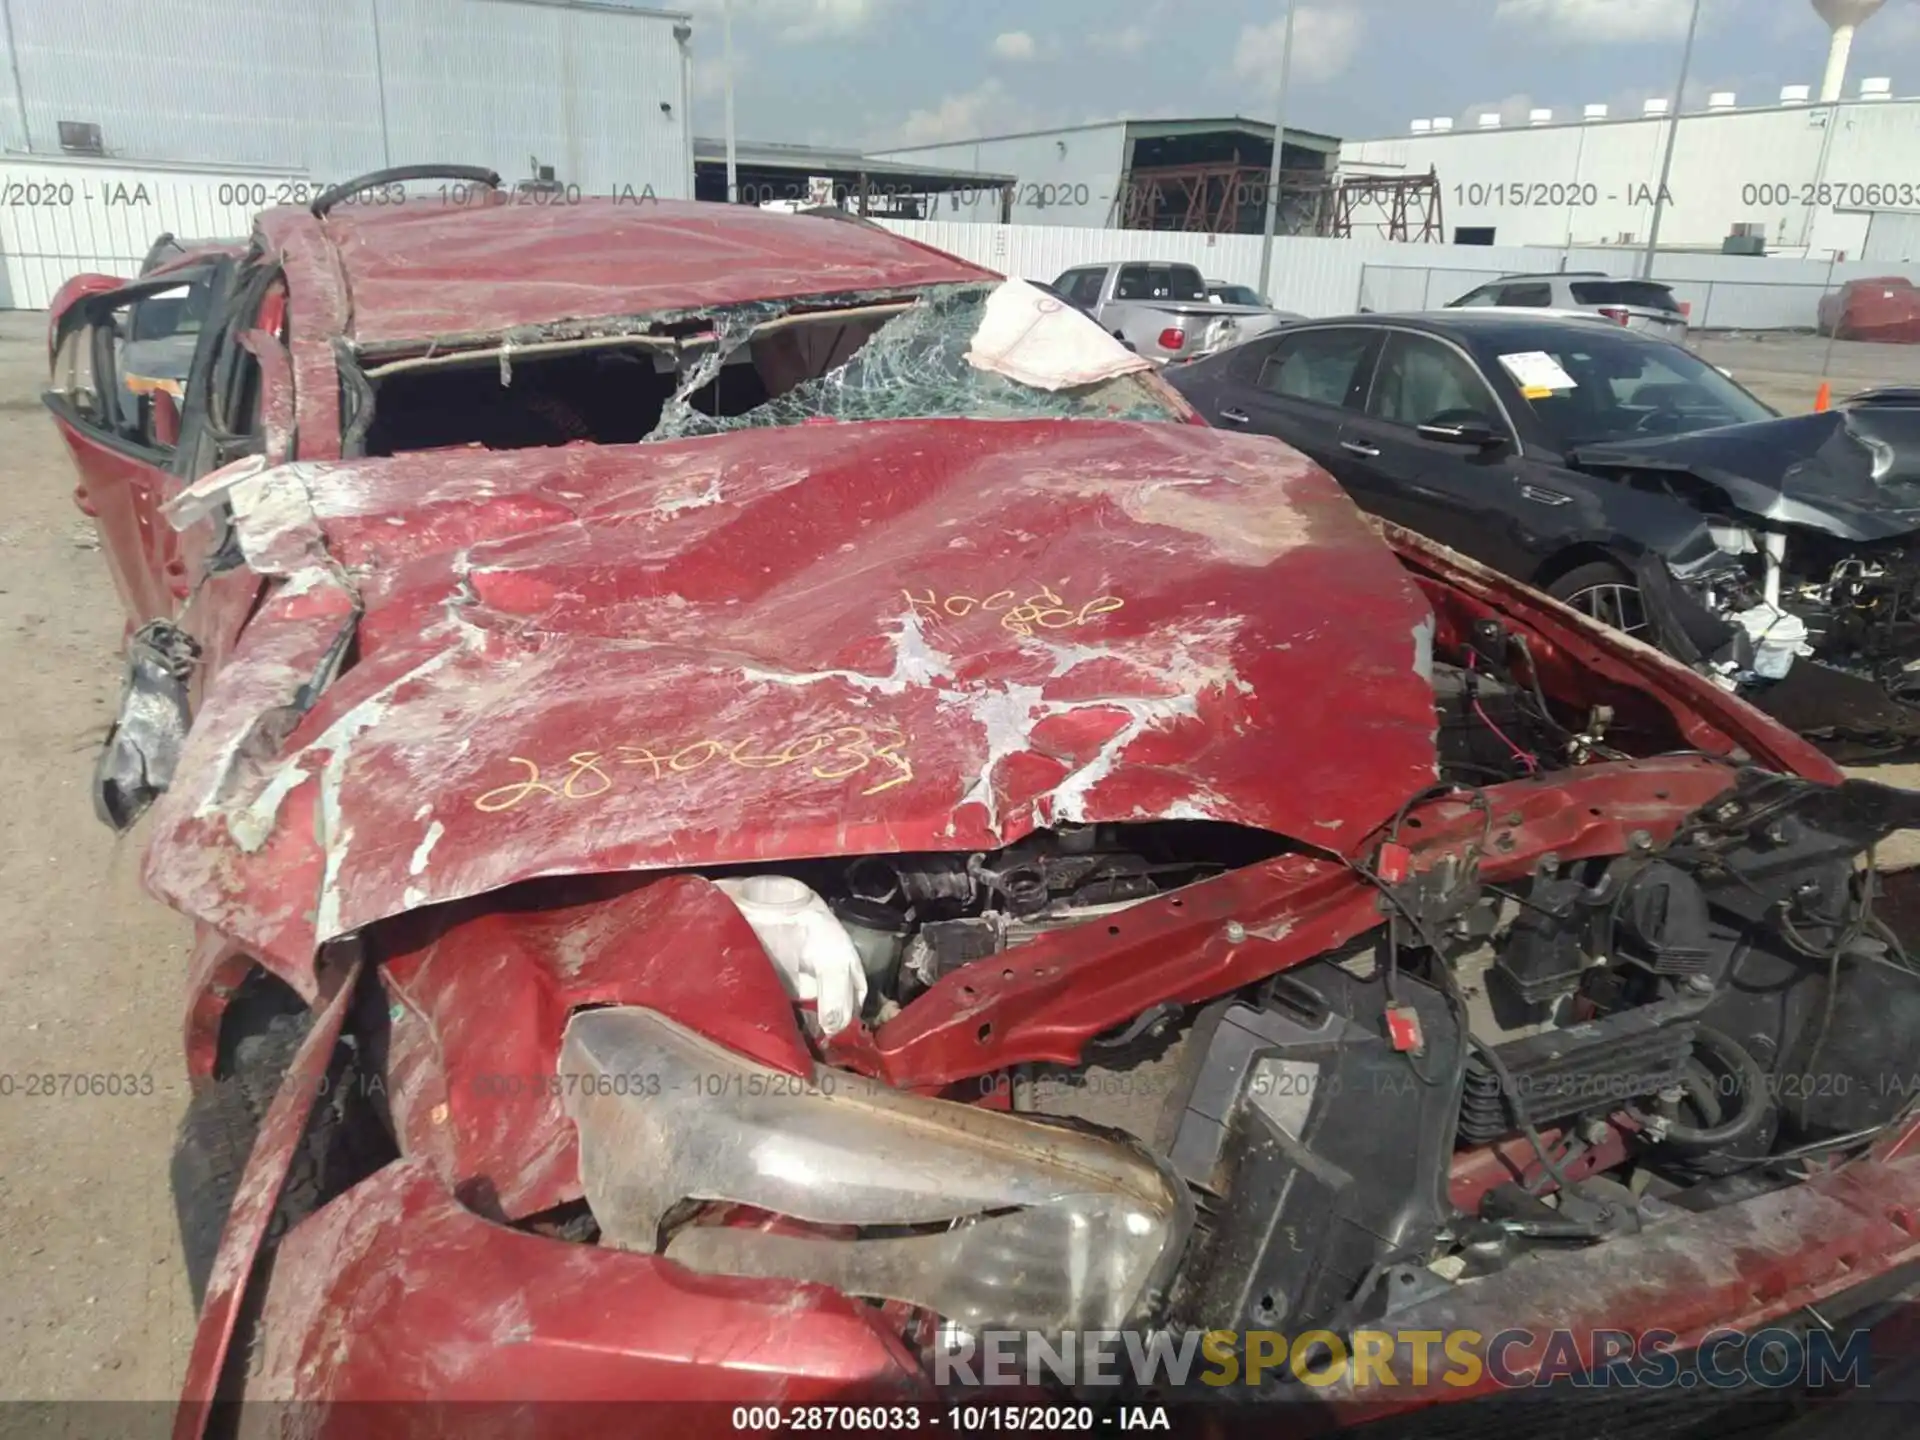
(1596, 575)
(343, 1143)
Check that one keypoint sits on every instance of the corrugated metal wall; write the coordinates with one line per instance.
(1807, 173)
(1067, 177)
(1335, 277)
(579, 87)
(339, 87)
(1894, 235)
(59, 218)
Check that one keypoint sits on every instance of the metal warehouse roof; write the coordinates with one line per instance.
(1600, 122)
(1142, 130)
(712, 150)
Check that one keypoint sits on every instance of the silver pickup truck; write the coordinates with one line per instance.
(1163, 310)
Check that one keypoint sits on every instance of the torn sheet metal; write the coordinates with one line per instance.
(500, 267)
(143, 746)
(919, 635)
(1852, 473)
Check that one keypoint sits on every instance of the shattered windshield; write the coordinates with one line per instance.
(913, 365)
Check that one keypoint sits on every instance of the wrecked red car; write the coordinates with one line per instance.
(1885, 308)
(760, 803)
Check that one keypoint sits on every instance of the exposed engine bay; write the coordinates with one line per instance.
(1806, 595)
(1493, 1071)
(1800, 590)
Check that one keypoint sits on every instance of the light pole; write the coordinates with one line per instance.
(726, 31)
(1673, 134)
(1273, 168)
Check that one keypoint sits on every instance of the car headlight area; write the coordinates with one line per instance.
(985, 1218)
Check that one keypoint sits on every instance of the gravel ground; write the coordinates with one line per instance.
(1786, 370)
(93, 1299)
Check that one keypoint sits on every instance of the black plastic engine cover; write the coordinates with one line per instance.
(1324, 1146)
(1600, 1065)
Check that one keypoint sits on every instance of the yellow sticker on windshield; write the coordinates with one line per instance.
(1537, 392)
(1537, 370)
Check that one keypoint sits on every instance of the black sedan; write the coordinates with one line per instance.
(1628, 478)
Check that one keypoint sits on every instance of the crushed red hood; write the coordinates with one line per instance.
(781, 643)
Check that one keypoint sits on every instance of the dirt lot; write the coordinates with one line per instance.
(1786, 370)
(93, 1301)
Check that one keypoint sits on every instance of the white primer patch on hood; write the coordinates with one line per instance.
(915, 663)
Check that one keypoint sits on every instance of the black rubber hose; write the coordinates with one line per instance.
(1752, 1095)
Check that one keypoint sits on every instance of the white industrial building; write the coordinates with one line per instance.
(596, 89)
(121, 119)
(1166, 174)
(1812, 180)
(1830, 175)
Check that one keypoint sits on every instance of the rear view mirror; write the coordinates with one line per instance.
(1476, 433)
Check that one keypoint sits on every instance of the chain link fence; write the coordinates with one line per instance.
(1758, 304)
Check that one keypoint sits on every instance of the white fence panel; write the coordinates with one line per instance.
(1322, 276)
(62, 217)
(1040, 252)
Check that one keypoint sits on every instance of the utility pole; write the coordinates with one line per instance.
(726, 30)
(1273, 168)
(1673, 134)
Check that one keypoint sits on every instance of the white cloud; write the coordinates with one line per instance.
(987, 109)
(710, 73)
(793, 21)
(1623, 104)
(1632, 100)
(1512, 111)
(1128, 40)
(1898, 27)
(1324, 42)
(1605, 22)
(1014, 45)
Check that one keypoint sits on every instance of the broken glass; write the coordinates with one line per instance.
(733, 327)
(913, 367)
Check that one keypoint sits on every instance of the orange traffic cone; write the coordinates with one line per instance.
(1823, 397)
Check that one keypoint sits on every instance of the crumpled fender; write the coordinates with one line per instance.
(254, 1203)
(399, 1295)
(1817, 470)
(479, 1002)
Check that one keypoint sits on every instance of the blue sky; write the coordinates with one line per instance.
(895, 72)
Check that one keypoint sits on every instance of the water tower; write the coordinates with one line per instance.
(1843, 17)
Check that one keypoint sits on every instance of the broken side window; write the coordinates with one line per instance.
(914, 366)
(880, 357)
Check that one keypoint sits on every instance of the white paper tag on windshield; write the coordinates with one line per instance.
(1537, 374)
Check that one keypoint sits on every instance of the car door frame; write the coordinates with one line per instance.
(1566, 508)
(1489, 480)
(122, 481)
(216, 582)
(1242, 394)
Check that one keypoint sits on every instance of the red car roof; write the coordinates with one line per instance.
(426, 269)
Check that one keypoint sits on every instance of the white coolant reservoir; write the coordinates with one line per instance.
(1777, 638)
(814, 954)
